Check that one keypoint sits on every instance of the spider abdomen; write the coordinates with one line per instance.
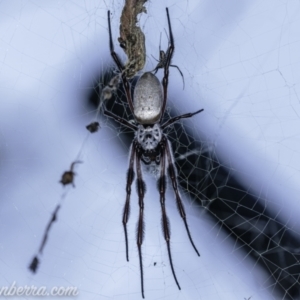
(147, 99)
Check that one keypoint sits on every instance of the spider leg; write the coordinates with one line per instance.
(120, 120)
(175, 119)
(174, 66)
(169, 55)
(141, 188)
(119, 65)
(161, 61)
(155, 71)
(130, 177)
(161, 184)
(173, 175)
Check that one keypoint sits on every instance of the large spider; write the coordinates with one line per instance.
(150, 145)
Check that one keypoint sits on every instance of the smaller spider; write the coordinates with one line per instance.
(161, 64)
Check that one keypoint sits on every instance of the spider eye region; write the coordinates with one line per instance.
(149, 136)
(147, 99)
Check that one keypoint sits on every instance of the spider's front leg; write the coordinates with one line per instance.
(167, 63)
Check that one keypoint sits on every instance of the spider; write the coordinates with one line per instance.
(161, 63)
(150, 145)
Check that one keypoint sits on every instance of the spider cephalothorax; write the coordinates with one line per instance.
(150, 145)
(148, 136)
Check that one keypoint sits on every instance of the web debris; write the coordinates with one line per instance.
(132, 40)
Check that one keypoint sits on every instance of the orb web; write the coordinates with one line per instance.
(238, 161)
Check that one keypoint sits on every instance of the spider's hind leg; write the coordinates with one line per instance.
(173, 177)
(161, 184)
